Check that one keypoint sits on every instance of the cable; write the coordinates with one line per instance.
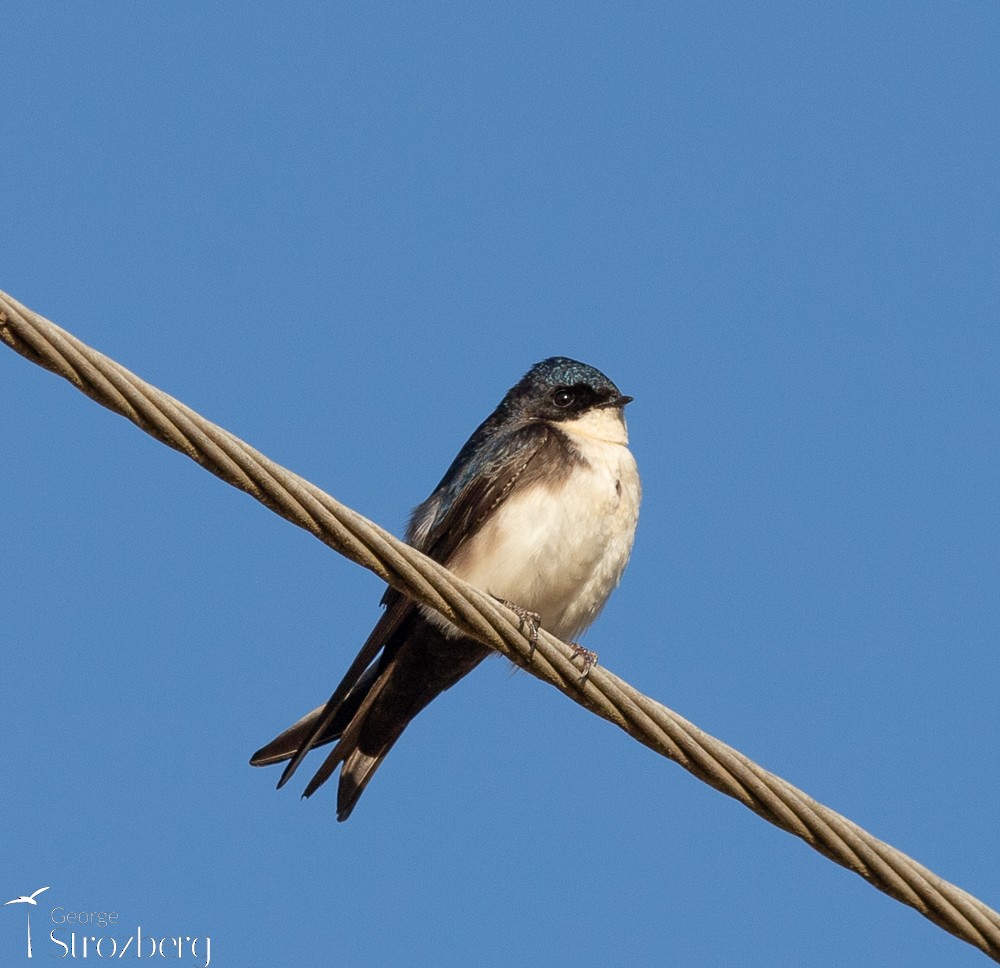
(483, 618)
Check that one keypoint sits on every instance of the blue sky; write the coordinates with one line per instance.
(342, 232)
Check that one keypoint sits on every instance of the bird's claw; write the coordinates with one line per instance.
(525, 617)
(589, 658)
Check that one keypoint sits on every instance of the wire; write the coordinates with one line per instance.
(482, 617)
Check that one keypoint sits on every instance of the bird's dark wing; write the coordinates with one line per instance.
(323, 724)
(288, 743)
(466, 496)
(472, 490)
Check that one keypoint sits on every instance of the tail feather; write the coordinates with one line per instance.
(358, 769)
(421, 664)
(349, 737)
(287, 744)
(427, 666)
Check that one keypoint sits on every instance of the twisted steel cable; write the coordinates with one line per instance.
(483, 618)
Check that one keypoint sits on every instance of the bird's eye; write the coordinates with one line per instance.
(563, 398)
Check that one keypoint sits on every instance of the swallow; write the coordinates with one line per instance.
(539, 510)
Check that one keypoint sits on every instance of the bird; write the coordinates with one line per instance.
(30, 899)
(538, 510)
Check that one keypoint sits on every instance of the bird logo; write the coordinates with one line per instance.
(29, 899)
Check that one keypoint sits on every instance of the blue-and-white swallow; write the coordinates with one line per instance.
(538, 509)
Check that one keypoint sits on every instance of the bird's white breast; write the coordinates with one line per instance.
(559, 549)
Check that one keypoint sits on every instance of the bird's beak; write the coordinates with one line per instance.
(617, 401)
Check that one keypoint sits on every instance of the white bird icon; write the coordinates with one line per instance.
(30, 899)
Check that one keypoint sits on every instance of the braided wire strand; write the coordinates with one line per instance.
(482, 617)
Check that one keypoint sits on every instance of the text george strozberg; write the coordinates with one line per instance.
(73, 943)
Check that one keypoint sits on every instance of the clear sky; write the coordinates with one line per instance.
(343, 231)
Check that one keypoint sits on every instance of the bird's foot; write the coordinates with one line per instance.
(524, 617)
(589, 658)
